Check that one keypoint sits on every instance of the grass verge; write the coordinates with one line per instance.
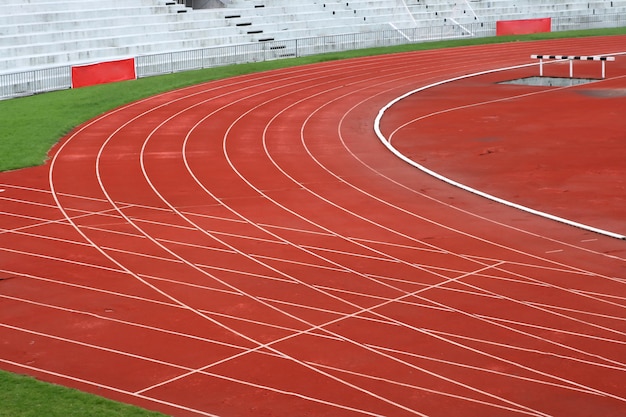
(32, 125)
(22, 396)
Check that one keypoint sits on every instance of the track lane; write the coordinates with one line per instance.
(292, 239)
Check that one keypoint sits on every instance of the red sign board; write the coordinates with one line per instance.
(103, 72)
(523, 27)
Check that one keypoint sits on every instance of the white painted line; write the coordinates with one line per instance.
(387, 143)
(555, 251)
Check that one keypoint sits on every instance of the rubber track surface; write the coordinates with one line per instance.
(248, 247)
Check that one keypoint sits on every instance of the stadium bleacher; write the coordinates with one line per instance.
(38, 34)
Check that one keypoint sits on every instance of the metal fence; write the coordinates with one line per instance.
(36, 81)
(58, 78)
(170, 62)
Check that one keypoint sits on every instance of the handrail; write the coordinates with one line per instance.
(408, 11)
(400, 32)
(453, 20)
(471, 9)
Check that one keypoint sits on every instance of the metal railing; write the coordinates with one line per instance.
(33, 82)
(58, 78)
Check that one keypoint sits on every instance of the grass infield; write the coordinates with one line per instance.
(30, 126)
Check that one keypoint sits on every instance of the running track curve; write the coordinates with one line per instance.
(248, 247)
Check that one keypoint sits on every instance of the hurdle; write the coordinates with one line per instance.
(571, 59)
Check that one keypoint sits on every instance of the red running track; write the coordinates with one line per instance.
(248, 247)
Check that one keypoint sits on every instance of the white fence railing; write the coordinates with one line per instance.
(59, 78)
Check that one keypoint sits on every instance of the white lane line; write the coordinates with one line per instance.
(108, 387)
(380, 353)
(249, 184)
(555, 251)
(373, 377)
(260, 345)
(386, 141)
(164, 363)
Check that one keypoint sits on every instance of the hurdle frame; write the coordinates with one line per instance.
(571, 58)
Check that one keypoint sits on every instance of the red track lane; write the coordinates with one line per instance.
(248, 247)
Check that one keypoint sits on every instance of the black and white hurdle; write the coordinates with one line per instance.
(571, 59)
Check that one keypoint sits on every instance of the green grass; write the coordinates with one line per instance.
(31, 125)
(22, 396)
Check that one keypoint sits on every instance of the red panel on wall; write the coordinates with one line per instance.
(103, 72)
(523, 27)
